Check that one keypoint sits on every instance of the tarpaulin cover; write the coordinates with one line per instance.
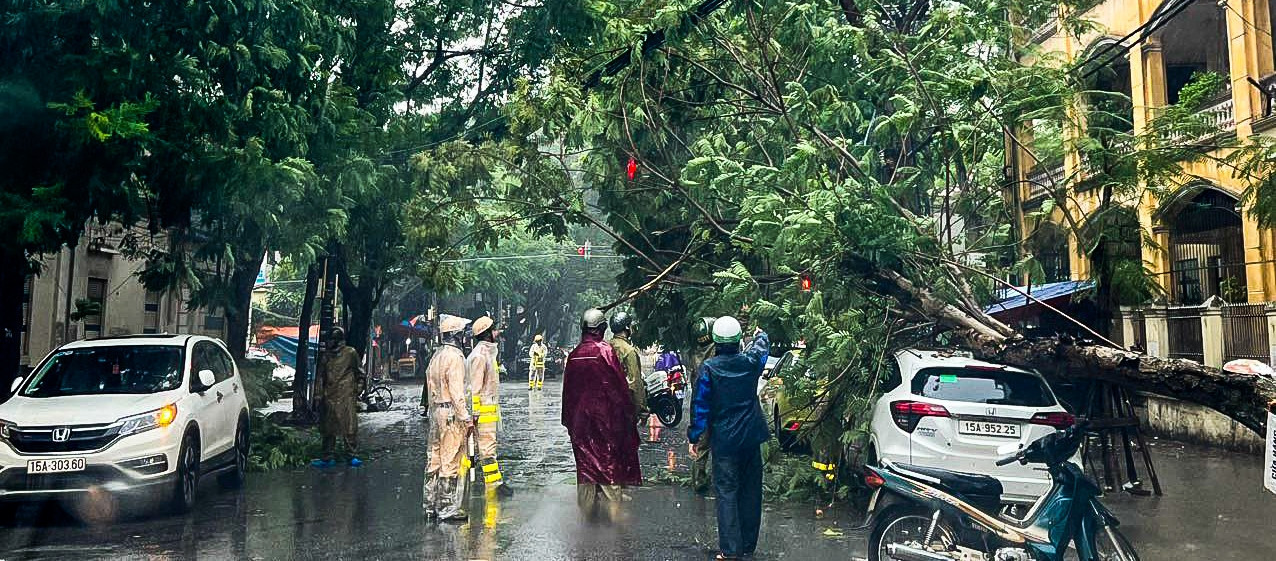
(599, 415)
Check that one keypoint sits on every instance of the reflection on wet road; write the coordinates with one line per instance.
(1214, 509)
(374, 512)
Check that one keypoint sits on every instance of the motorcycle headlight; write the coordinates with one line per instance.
(161, 417)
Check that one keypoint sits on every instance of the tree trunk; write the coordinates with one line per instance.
(12, 279)
(242, 280)
(1242, 397)
(301, 379)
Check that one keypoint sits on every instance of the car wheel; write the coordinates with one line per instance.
(186, 476)
(234, 478)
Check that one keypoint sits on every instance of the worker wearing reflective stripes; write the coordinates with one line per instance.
(450, 425)
(485, 386)
(536, 358)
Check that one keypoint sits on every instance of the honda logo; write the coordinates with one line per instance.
(61, 434)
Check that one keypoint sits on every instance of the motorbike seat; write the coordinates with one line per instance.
(966, 484)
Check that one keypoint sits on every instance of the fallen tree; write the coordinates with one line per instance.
(864, 150)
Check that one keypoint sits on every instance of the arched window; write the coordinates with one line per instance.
(1207, 248)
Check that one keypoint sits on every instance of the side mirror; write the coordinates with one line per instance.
(17, 383)
(206, 379)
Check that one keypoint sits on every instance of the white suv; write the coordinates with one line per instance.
(144, 414)
(954, 413)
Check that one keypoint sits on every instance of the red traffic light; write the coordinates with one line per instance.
(805, 283)
(632, 169)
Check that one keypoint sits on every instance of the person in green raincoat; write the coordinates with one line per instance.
(339, 420)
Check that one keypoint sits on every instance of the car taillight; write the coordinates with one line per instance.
(872, 479)
(1058, 419)
(908, 413)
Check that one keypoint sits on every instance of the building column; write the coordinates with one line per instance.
(1255, 267)
(1156, 321)
(1147, 86)
(1243, 64)
(1125, 326)
(1212, 331)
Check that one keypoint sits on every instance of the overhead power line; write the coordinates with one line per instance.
(1152, 25)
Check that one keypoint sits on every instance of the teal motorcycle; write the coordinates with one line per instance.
(929, 514)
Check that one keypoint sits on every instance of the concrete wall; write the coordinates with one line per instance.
(124, 311)
(1170, 418)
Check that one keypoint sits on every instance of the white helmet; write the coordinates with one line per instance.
(727, 330)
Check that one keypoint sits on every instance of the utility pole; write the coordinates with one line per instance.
(327, 311)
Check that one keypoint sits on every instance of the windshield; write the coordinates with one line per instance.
(108, 370)
(994, 387)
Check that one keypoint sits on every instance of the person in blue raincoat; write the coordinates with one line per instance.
(726, 403)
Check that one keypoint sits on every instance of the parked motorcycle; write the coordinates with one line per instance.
(928, 514)
(665, 392)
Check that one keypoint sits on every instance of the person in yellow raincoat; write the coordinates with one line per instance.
(485, 387)
(536, 363)
(450, 424)
(339, 419)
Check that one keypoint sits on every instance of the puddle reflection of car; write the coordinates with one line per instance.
(943, 410)
(141, 416)
(790, 410)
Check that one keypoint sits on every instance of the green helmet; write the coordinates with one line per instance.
(704, 331)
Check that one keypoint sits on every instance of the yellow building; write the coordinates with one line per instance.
(1204, 243)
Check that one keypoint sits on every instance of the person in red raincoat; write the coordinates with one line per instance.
(598, 412)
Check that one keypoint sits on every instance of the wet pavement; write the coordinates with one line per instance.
(1214, 509)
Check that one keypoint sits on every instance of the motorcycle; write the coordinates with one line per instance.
(665, 392)
(929, 514)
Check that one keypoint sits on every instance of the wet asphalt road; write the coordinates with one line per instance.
(1214, 509)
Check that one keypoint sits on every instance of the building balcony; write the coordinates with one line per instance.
(1219, 118)
(1045, 31)
(1042, 178)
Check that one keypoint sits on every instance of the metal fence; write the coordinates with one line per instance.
(1245, 332)
(1185, 334)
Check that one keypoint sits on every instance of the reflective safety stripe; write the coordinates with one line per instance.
(489, 468)
(486, 409)
(492, 477)
(823, 467)
(491, 418)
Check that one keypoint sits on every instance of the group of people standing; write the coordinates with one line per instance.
(603, 402)
(464, 406)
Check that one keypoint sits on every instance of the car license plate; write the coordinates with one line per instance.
(986, 428)
(55, 465)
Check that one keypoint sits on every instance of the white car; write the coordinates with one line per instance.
(127, 415)
(954, 413)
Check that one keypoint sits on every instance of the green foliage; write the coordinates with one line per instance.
(260, 387)
(275, 446)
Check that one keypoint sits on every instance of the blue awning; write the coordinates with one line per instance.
(1012, 299)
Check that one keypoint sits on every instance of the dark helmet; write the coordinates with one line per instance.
(704, 331)
(621, 322)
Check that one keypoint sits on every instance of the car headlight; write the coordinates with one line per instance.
(162, 417)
